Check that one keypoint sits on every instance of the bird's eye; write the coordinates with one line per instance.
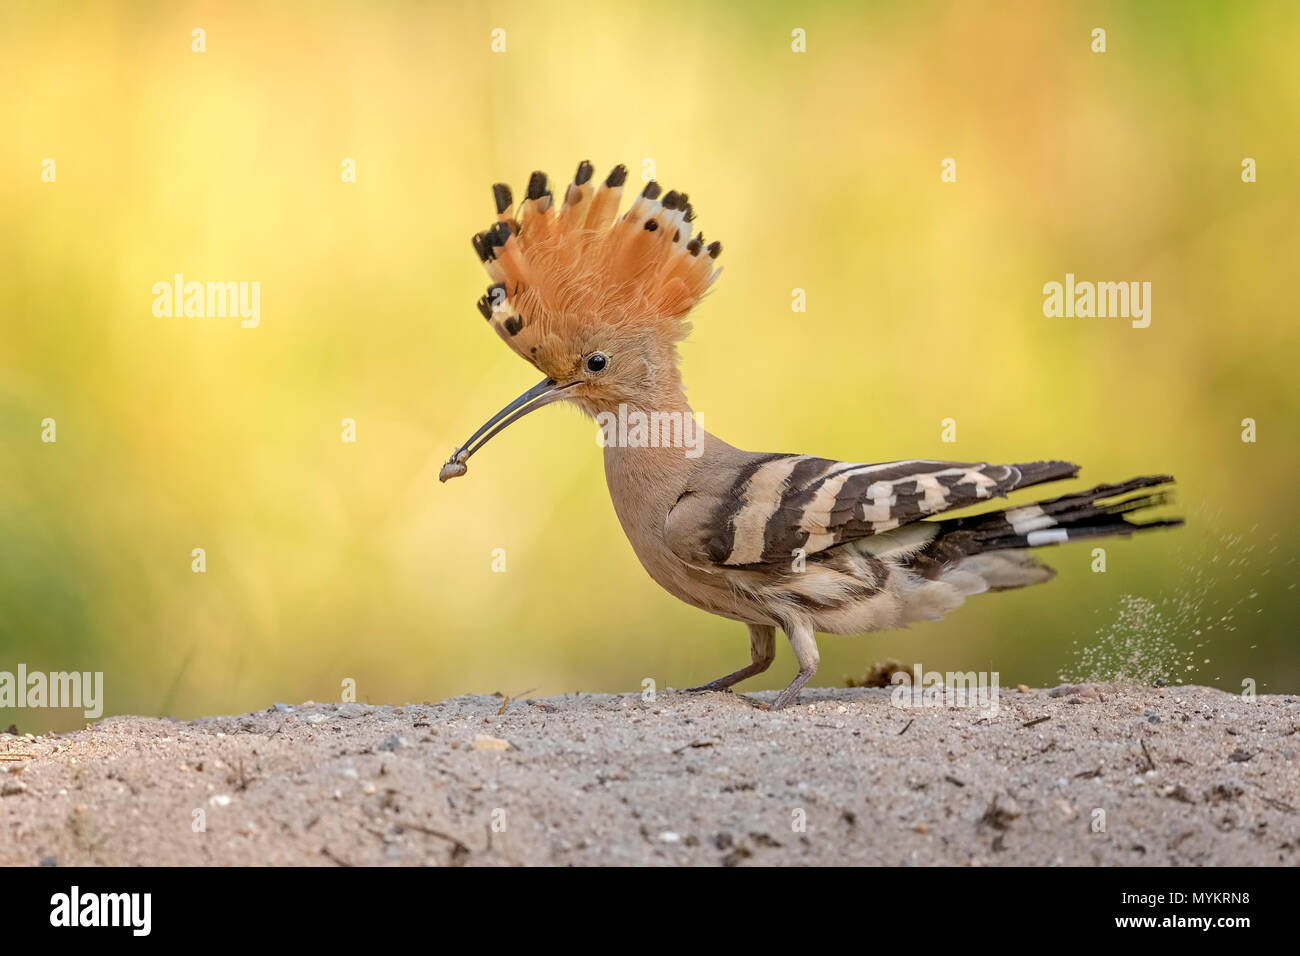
(596, 362)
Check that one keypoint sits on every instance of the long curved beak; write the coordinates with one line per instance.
(543, 393)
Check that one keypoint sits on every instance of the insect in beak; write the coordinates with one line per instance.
(543, 393)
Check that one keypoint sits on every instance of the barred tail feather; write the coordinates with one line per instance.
(992, 544)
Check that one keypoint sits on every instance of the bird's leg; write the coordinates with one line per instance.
(804, 643)
(762, 651)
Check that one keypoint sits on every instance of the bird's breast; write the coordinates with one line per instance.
(644, 485)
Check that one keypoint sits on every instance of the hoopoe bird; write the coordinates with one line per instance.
(598, 302)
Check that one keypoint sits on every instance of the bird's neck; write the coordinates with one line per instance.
(651, 449)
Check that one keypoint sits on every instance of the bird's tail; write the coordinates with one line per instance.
(1099, 512)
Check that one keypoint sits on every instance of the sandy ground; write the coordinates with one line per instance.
(1174, 776)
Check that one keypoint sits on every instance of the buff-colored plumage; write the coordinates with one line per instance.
(806, 544)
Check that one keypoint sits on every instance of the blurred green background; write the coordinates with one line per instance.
(819, 170)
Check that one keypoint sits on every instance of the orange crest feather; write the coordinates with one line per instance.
(559, 271)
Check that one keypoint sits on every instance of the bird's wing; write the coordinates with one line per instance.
(764, 508)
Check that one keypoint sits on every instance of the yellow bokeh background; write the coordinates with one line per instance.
(819, 170)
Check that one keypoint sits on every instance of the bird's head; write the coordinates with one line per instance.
(597, 304)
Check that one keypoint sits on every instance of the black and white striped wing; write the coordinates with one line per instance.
(780, 504)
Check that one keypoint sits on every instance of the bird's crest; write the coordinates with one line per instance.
(560, 268)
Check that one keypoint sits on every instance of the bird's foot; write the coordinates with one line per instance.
(717, 685)
(726, 681)
(791, 693)
(783, 700)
